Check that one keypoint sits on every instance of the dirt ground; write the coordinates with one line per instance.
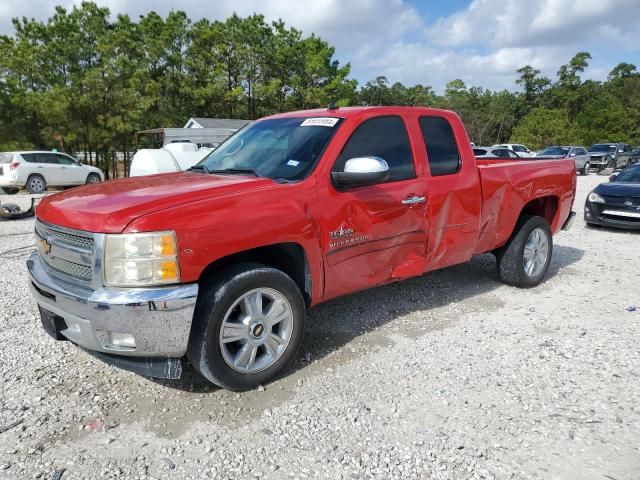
(449, 375)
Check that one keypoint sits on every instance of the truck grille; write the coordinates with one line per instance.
(67, 252)
(77, 241)
(68, 268)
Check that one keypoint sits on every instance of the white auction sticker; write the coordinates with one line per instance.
(320, 122)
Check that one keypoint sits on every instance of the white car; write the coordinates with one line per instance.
(521, 150)
(37, 170)
(494, 152)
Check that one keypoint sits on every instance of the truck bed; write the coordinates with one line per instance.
(510, 185)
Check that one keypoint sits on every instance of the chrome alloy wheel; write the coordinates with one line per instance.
(536, 251)
(256, 330)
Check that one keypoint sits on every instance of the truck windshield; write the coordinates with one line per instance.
(285, 149)
(601, 147)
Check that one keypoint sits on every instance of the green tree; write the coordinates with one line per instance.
(543, 127)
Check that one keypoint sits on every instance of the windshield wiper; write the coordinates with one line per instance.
(199, 168)
(235, 170)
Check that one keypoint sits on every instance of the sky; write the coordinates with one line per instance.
(482, 42)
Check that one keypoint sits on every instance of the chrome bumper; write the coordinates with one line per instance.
(158, 319)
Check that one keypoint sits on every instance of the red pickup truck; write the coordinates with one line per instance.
(220, 263)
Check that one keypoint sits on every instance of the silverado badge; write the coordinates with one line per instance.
(345, 236)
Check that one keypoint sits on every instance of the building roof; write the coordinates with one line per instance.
(198, 122)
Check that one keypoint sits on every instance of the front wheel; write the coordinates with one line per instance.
(248, 326)
(585, 168)
(524, 261)
(93, 178)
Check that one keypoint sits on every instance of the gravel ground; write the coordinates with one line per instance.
(450, 375)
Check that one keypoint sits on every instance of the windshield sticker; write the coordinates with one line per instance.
(293, 163)
(320, 122)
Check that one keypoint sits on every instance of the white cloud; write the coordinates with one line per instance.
(420, 63)
(512, 23)
(483, 43)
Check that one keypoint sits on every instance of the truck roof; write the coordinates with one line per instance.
(346, 112)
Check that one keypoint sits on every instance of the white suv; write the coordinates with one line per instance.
(521, 150)
(38, 170)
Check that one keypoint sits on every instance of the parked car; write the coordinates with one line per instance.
(617, 202)
(38, 170)
(521, 150)
(635, 155)
(493, 152)
(295, 209)
(578, 154)
(609, 155)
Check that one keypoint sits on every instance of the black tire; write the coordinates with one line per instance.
(36, 184)
(215, 298)
(510, 257)
(93, 178)
(9, 190)
(585, 168)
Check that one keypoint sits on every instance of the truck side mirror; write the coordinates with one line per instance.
(360, 172)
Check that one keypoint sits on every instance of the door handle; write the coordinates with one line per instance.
(414, 200)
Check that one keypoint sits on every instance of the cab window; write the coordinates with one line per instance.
(442, 149)
(383, 137)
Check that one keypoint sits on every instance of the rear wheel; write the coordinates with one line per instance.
(247, 327)
(585, 168)
(36, 184)
(524, 261)
(9, 190)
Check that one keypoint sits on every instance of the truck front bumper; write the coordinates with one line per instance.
(144, 325)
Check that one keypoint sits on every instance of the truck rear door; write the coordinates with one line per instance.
(376, 233)
(452, 189)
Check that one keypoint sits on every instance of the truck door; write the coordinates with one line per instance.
(374, 234)
(453, 191)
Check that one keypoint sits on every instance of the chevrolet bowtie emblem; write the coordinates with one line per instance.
(628, 203)
(45, 246)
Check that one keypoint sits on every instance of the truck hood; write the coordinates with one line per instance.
(109, 207)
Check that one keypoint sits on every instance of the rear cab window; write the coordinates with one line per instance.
(443, 155)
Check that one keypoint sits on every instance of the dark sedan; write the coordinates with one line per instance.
(616, 203)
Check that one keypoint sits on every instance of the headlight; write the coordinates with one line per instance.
(139, 259)
(595, 198)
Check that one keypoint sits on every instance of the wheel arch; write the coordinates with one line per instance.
(289, 257)
(545, 207)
